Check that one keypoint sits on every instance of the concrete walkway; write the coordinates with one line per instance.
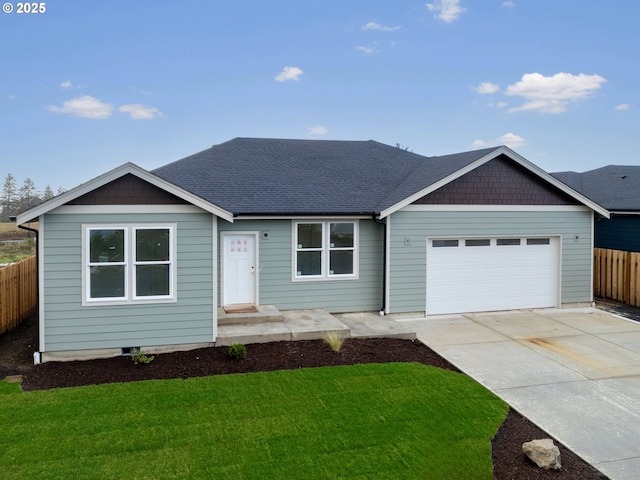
(573, 372)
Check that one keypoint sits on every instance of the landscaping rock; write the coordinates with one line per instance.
(543, 453)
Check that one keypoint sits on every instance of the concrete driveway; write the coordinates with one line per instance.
(573, 372)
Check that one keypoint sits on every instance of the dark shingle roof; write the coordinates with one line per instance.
(278, 177)
(615, 187)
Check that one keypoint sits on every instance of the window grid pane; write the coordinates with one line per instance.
(482, 242)
(152, 280)
(341, 235)
(309, 263)
(507, 241)
(106, 246)
(107, 281)
(341, 262)
(444, 243)
(538, 241)
(152, 244)
(309, 235)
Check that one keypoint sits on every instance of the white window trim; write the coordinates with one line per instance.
(130, 262)
(325, 251)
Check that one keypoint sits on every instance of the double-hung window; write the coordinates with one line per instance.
(129, 263)
(325, 250)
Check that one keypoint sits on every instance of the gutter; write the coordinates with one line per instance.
(624, 212)
(36, 355)
(305, 214)
(376, 219)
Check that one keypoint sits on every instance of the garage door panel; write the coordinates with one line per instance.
(508, 273)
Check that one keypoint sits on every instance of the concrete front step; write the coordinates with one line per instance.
(295, 325)
(265, 314)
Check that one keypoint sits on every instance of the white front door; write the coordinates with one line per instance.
(239, 269)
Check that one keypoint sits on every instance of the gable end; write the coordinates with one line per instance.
(500, 181)
(128, 190)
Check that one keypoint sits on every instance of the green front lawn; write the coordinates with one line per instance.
(386, 421)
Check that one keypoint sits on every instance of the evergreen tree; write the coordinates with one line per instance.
(28, 195)
(48, 193)
(14, 200)
(9, 197)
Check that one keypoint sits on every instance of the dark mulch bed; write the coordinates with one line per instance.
(628, 311)
(508, 460)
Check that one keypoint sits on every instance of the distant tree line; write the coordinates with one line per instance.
(17, 199)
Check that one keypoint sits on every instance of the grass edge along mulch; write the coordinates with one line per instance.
(393, 420)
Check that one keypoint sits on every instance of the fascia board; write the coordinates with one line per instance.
(112, 175)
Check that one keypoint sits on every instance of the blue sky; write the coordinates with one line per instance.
(87, 86)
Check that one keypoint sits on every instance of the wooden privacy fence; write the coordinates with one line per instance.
(616, 275)
(17, 293)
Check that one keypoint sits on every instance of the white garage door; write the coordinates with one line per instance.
(485, 274)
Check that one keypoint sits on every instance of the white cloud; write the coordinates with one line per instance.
(289, 73)
(375, 26)
(623, 106)
(11, 97)
(66, 84)
(508, 4)
(366, 50)
(553, 94)
(501, 104)
(487, 88)
(446, 10)
(140, 112)
(84, 106)
(317, 130)
(510, 139)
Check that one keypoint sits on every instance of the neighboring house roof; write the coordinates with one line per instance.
(615, 187)
(255, 176)
(115, 174)
(277, 177)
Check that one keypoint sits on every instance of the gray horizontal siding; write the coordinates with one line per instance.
(71, 326)
(407, 274)
(275, 283)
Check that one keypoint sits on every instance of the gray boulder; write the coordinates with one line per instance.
(544, 453)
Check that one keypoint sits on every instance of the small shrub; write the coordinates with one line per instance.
(237, 351)
(335, 340)
(139, 357)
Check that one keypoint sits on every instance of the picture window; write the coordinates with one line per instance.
(325, 250)
(129, 263)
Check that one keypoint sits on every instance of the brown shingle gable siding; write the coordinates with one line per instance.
(128, 190)
(500, 181)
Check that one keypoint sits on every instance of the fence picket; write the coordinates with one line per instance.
(634, 279)
(617, 275)
(17, 293)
